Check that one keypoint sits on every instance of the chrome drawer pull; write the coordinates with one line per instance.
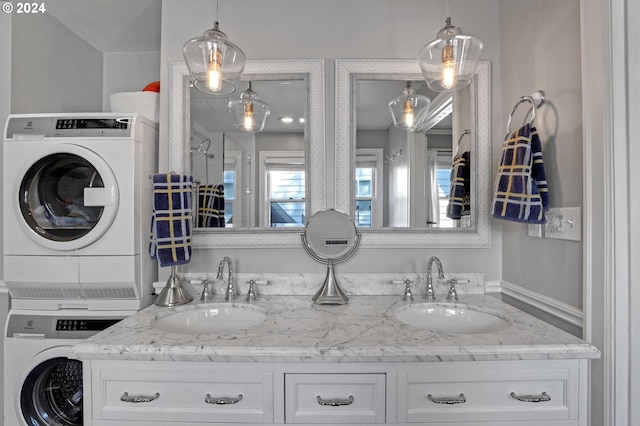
(334, 402)
(138, 398)
(531, 398)
(454, 400)
(222, 401)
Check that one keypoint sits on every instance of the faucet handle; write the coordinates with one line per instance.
(453, 294)
(408, 294)
(251, 294)
(207, 294)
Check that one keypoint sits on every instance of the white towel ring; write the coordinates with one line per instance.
(536, 100)
(465, 132)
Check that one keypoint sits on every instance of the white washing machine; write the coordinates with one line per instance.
(77, 210)
(42, 386)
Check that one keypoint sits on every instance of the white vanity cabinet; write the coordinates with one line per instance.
(150, 393)
(335, 398)
(163, 393)
(505, 392)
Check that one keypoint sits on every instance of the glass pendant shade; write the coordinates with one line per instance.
(249, 113)
(449, 62)
(215, 64)
(409, 110)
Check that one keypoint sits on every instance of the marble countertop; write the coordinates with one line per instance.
(364, 330)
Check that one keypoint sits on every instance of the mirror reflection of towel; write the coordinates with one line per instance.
(211, 206)
(521, 192)
(171, 219)
(459, 195)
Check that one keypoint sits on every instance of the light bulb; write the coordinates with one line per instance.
(214, 69)
(248, 116)
(409, 116)
(448, 66)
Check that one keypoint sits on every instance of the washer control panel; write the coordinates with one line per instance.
(33, 127)
(56, 326)
(74, 127)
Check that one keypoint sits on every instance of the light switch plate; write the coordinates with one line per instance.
(535, 230)
(564, 223)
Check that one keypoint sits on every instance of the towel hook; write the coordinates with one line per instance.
(536, 100)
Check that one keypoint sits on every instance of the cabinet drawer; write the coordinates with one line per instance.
(335, 398)
(488, 393)
(183, 396)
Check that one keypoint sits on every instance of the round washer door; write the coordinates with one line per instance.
(68, 198)
(51, 392)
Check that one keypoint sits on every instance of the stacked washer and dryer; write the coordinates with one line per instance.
(76, 215)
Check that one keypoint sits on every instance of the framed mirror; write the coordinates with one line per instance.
(396, 184)
(203, 142)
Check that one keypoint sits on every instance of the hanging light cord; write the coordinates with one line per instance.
(448, 8)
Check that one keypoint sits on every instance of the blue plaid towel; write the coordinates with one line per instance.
(211, 206)
(521, 192)
(459, 195)
(171, 219)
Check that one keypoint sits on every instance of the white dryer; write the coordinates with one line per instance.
(42, 385)
(77, 210)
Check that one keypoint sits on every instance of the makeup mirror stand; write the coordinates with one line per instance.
(330, 293)
(330, 237)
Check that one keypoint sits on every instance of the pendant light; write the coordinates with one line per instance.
(215, 64)
(409, 109)
(249, 113)
(449, 62)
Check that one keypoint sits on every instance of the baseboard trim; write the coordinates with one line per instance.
(492, 287)
(562, 311)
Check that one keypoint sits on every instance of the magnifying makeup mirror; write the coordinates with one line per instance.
(330, 237)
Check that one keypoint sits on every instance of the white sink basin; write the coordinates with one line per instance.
(453, 318)
(211, 318)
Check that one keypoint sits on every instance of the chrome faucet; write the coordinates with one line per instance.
(429, 295)
(230, 294)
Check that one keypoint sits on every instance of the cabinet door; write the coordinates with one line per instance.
(182, 396)
(335, 398)
(489, 391)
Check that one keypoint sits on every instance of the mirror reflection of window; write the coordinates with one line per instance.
(286, 196)
(233, 182)
(285, 189)
(368, 189)
(364, 194)
(229, 196)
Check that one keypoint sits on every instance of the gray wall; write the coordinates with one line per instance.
(532, 58)
(54, 70)
(128, 72)
(65, 73)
